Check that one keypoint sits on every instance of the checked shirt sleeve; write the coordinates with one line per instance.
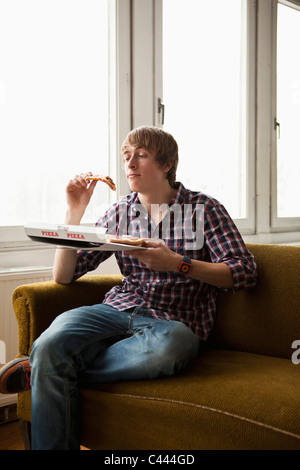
(89, 261)
(226, 245)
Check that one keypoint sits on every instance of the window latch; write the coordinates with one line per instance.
(161, 109)
(277, 126)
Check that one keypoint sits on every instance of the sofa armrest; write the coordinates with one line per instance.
(36, 305)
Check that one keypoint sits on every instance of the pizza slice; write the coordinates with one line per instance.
(105, 179)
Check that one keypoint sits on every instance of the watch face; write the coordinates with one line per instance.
(184, 267)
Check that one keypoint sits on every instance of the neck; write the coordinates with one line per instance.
(152, 201)
(162, 195)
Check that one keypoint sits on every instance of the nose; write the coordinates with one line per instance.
(132, 163)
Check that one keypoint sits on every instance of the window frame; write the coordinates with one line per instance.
(245, 225)
(137, 62)
(13, 237)
(278, 223)
(261, 226)
(269, 229)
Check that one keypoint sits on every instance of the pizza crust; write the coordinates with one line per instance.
(128, 241)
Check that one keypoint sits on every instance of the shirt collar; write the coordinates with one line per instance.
(179, 196)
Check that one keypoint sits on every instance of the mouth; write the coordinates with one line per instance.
(132, 175)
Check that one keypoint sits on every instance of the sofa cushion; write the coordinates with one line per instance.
(223, 400)
(263, 320)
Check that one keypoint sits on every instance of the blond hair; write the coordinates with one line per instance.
(159, 142)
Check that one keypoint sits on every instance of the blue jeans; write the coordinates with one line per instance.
(83, 346)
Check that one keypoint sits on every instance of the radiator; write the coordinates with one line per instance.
(9, 280)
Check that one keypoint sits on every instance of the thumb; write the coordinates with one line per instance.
(92, 186)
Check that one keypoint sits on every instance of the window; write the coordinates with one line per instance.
(54, 107)
(288, 112)
(206, 97)
(74, 80)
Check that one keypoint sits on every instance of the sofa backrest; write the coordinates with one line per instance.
(266, 319)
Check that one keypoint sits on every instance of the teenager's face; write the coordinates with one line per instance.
(142, 170)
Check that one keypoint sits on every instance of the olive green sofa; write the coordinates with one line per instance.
(241, 392)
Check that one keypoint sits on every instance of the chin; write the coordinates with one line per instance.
(133, 186)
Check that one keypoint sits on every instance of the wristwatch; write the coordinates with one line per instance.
(184, 265)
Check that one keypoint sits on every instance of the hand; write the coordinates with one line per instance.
(157, 257)
(78, 193)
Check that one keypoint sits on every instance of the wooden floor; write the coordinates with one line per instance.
(10, 436)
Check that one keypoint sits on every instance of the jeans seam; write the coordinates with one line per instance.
(131, 318)
(150, 328)
(68, 409)
(133, 315)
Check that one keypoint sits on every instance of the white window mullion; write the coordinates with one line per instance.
(121, 109)
(158, 64)
(143, 63)
(247, 225)
(264, 125)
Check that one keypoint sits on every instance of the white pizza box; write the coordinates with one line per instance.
(75, 236)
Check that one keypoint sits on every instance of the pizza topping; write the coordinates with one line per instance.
(105, 179)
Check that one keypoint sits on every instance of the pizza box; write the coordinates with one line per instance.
(78, 237)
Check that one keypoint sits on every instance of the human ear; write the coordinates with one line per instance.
(167, 166)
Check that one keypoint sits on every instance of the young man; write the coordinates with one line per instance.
(167, 302)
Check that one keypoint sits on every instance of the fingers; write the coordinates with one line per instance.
(153, 244)
(148, 244)
(80, 181)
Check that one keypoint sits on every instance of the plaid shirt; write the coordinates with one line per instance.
(171, 295)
